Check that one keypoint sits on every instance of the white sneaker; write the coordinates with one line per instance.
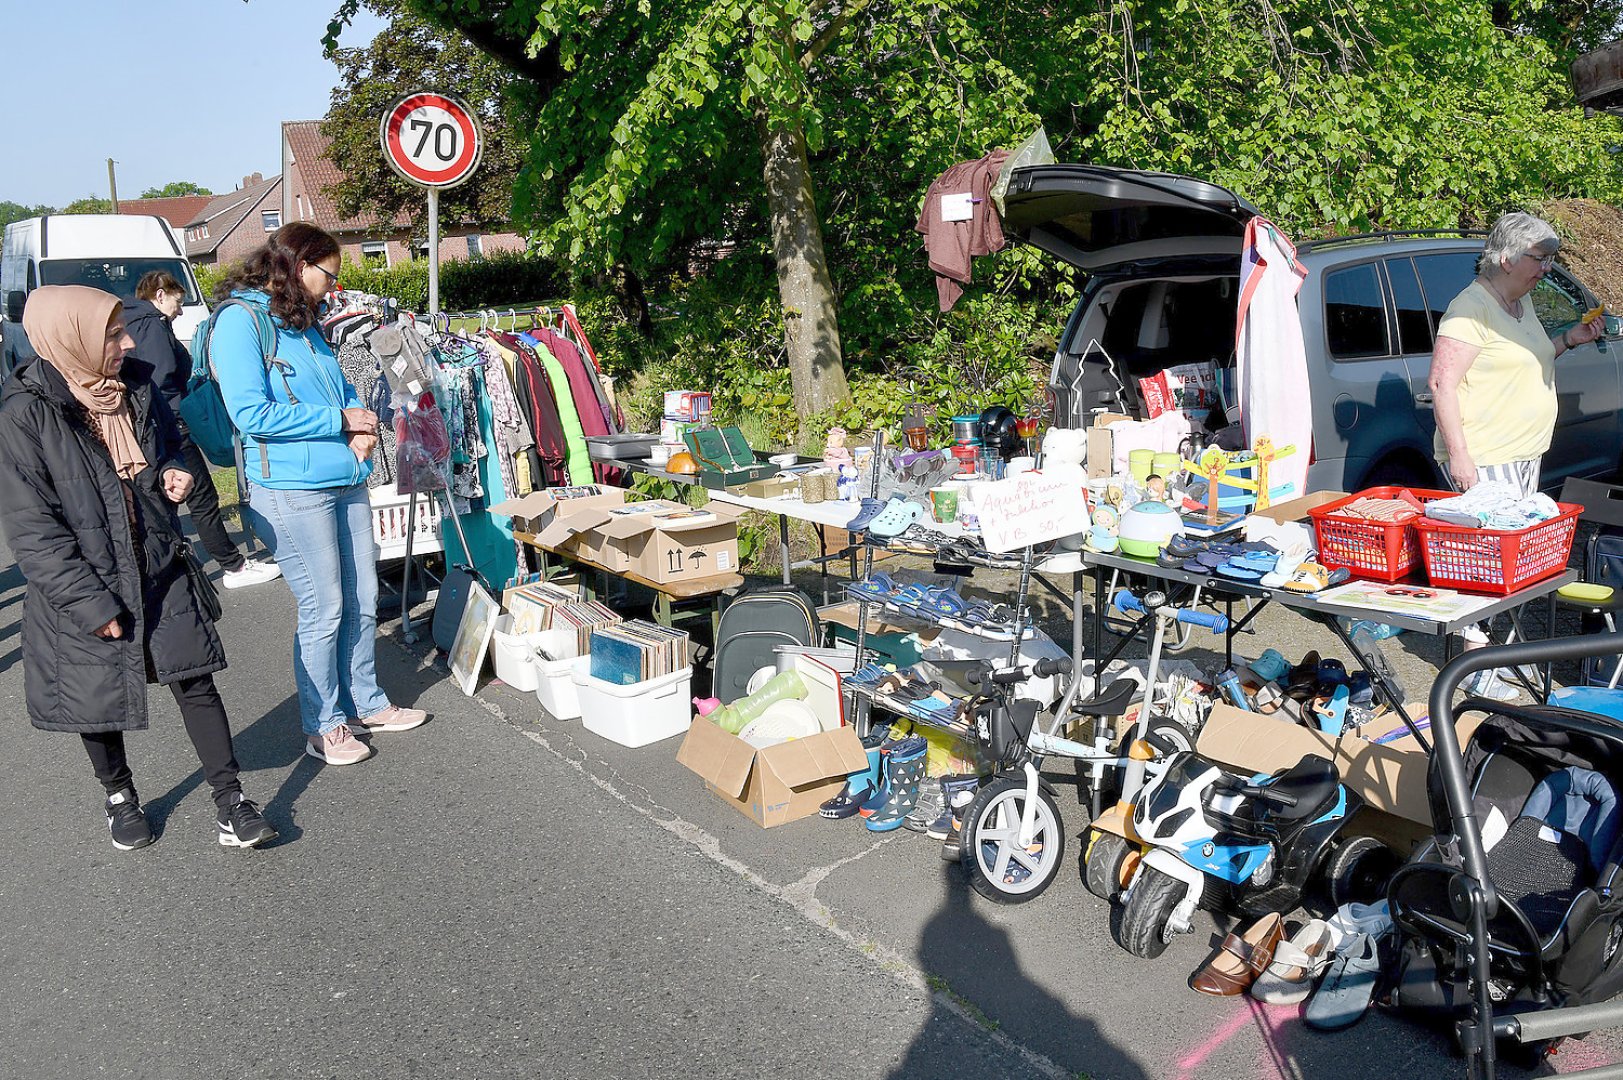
(251, 572)
(1488, 684)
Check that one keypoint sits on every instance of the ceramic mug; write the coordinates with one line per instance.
(659, 454)
(944, 504)
(1018, 465)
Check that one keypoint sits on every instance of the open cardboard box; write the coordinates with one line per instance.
(659, 540)
(1296, 509)
(788, 781)
(1389, 777)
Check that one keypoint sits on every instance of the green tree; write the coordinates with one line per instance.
(175, 189)
(412, 54)
(90, 204)
(13, 211)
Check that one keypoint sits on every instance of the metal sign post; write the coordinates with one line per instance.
(433, 141)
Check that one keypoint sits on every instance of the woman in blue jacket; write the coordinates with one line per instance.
(307, 448)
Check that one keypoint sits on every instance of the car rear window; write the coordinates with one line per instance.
(1443, 277)
(118, 276)
(1355, 313)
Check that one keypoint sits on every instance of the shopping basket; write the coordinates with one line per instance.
(1377, 550)
(1493, 560)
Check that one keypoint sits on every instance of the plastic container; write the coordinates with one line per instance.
(555, 688)
(513, 655)
(1370, 549)
(634, 715)
(1496, 561)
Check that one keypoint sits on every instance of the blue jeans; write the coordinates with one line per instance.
(322, 540)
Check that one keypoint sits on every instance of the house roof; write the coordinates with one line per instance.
(177, 211)
(317, 173)
(225, 212)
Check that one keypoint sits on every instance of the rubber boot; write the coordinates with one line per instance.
(906, 774)
(959, 792)
(858, 788)
(881, 792)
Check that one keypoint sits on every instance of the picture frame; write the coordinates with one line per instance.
(473, 634)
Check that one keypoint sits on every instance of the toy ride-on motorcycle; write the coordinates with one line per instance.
(1216, 839)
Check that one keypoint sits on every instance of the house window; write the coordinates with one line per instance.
(272, 219)
(474, 251)
(419, 249)
(374, 249)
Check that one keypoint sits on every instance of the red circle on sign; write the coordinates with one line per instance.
(459, 168)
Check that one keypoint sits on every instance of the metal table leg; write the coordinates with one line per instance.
(783, 546)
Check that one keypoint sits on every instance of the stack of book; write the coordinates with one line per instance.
(637, 651)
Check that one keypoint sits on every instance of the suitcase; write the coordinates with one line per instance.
(752, 627)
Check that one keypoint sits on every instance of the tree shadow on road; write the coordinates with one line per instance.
(975, 974)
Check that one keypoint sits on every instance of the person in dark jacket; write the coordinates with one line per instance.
(88, 483)
(160, 358)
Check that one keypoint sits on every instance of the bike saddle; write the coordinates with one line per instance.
(1113, 702)
(1313, 781)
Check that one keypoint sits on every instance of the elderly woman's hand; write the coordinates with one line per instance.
(1462, 470)
(177, 484)
(1584, 333)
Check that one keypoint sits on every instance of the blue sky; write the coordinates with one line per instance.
(83, 75)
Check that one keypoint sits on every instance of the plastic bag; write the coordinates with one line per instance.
(423, 446)
(1034, 151)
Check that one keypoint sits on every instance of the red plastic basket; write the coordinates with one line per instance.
(1495, 561)
(1370, 549)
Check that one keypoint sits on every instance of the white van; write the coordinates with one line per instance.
(105, 251)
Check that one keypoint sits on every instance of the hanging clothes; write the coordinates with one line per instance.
(577, 458)
(534, 392)
(951, 244)
(595, 416)
(511, 429)
(362, 368)
(1270, 355)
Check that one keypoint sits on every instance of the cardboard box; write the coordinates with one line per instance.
(1102, 444)
(769, 488)
(541, 511)
(1390, 777)
(1296, 509)
(657, 539)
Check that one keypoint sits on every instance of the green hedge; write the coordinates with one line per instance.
(503, 278)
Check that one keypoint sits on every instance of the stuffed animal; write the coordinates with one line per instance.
(1065, 448)
(835, 452)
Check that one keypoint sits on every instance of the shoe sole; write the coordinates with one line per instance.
(319, 756)
(391, 727)
(135, 847)
(245, 584)
(230, 839)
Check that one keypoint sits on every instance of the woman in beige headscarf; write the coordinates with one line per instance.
(88, 486)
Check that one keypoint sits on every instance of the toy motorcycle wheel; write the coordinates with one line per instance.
(1000, 868)
(1109, 865)
(1145, 925)
(1165, 734)
(1359, 870)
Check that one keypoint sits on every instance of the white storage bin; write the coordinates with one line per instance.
(555, 689)
(634, 715)
(514, 656)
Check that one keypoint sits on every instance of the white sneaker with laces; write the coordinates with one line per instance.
(251, 572)
(1488, 684)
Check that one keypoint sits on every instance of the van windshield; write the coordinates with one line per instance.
(117, 276)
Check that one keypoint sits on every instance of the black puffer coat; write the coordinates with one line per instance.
(68, 524)
(158, 356)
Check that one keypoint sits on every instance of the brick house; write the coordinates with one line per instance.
(307, 172)
(231, 225)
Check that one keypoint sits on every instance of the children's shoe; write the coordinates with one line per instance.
(127, 821)
(959, 792)
(904, 774)
(932, 803)
(859, 787)
(242, 825)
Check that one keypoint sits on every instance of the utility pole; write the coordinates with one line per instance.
(112, 184)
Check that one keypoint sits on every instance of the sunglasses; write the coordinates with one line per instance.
(1418, 594)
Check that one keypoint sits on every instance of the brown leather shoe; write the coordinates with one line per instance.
(1240, 959)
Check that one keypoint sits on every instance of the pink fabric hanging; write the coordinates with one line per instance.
(1270, 356)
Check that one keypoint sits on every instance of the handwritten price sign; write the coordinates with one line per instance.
(1029, 509)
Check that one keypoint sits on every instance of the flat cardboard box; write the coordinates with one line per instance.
(769, 488)
(1390, 777)
(1296, 509)
(540, 513)
(780, 784)
(1102, 444)
(650, 543)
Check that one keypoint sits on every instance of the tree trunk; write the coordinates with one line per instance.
(811, 329)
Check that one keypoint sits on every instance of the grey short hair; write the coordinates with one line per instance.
(1516, 234)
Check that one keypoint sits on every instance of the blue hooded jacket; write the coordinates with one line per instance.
(305, 446)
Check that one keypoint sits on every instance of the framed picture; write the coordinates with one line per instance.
(473, 635)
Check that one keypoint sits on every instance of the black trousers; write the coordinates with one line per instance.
(206, 724)
(204, 503)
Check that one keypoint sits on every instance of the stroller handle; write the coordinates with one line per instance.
(1447, 758)
(1156, 602)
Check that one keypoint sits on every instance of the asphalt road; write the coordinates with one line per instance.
(501, 894)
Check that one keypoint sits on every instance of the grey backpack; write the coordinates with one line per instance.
(754, 625)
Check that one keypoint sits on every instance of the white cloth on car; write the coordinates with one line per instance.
(1270, 355)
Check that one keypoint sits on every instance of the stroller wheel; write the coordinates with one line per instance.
(1359, 870)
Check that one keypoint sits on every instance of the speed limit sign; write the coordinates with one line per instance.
(432, 140)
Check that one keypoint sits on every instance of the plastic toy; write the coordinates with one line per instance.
(1146, 528)
(732, 718)
(835, 452)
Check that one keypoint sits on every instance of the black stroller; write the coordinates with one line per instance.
(1525, 859)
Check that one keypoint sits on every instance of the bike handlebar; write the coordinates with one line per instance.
(1127, 602)
(1268, 794)
(1051, 666)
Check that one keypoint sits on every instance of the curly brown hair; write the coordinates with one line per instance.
(273, 268)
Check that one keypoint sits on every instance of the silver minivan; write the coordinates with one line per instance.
(1162, 257)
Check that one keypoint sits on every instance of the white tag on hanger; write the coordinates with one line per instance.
(399, 366)
(959, 206)
(415, 387)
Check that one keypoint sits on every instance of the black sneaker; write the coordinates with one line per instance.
(127, 821)
(242, 825)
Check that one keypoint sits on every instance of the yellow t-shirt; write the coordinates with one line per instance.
(1507, 397)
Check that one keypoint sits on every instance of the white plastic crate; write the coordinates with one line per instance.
(555, 688)
(514, 655)
(390, 525)
(634, 715)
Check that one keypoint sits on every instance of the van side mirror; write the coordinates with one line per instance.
(14, 305)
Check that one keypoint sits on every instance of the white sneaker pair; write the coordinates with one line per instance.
(251, 572)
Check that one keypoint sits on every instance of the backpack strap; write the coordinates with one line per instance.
(267, 348)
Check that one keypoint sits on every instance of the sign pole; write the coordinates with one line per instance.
(433, 251)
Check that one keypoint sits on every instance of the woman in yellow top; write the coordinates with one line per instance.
(1493, 369)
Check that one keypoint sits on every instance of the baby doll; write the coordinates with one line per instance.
(835, 452)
